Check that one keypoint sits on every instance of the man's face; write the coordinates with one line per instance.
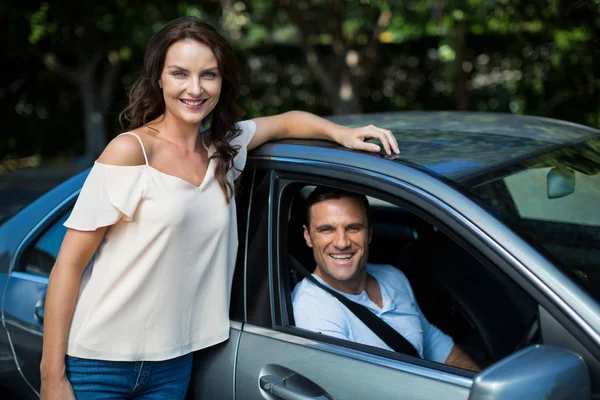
(339, 236)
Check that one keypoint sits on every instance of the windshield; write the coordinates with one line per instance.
(553, 200)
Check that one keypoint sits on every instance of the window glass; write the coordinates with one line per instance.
(479, 308)
(552, 201)
(39, 257)
(528, 190)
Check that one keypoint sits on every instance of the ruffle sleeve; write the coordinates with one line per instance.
(247, 131)
(110, 193)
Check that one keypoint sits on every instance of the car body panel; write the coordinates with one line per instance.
(21, 298)
(22, 292)
(339, 372)
(213, 375)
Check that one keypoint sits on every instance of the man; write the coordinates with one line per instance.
(338, 230)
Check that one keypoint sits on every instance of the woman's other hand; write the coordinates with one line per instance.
(57, 389)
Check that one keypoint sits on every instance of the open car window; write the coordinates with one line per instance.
(484, 312)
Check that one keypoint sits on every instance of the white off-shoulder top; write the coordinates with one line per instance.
(160, 282)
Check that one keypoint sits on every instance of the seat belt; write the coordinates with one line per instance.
(379, 327)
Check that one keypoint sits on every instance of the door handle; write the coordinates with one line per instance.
(38, 311)
(278, 387)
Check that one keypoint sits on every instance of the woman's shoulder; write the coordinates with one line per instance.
(245, 132)
(128, 149)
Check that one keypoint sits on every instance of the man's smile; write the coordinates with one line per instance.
(345, 256)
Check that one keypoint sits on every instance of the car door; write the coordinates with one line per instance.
(213, 372)
(25, 293)
(276, 360)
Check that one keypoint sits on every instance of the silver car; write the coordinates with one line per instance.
(494, 219)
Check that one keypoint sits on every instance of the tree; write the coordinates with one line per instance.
(351, 64)
(86, 47)
(66, 63)
(340, 40)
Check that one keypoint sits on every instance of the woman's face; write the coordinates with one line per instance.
(190, 81)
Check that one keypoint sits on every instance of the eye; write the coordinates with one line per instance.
(209, 75)
(179, 74)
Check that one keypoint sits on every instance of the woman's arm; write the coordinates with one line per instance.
(303, 125)
(76, 251)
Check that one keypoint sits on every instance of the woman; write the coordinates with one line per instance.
(158, 212)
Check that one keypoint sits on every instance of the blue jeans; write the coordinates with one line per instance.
(148, 380)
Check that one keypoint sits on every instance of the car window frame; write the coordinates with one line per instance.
(282, 299)
(40, 228)
(401, 362)
(454, 224)
(58, 219)
(257, 264)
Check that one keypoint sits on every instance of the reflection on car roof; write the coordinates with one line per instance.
(459, 144)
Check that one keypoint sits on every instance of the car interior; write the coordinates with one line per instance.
(484, 311)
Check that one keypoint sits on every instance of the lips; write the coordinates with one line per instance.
(194, 104)
(342, 257)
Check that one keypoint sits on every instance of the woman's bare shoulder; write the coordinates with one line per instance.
(126, 149)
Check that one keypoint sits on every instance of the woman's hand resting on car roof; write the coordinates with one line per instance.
(356, 139)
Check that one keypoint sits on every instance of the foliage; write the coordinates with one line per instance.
(536, 57)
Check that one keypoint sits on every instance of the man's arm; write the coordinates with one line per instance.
(460, 359)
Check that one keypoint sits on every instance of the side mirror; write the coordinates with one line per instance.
(536, 372)
(560, 182)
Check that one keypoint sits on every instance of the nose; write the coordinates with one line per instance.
(195, 87)
(341, 240)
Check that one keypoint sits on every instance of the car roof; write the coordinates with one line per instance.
(458, 145)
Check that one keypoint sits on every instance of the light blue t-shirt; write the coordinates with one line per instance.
(318, 311)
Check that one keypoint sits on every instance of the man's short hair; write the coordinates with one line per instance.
(322, 193)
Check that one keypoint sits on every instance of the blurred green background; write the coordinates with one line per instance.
(67, 64)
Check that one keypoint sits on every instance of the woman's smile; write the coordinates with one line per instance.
(193, 104)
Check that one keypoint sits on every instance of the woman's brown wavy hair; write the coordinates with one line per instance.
(146, 101)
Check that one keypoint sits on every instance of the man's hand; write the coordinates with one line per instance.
(460, 359)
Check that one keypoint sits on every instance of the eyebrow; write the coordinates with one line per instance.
(321, 227)
(210, 69)
(351, 225)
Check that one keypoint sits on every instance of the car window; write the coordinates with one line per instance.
(483, 311)
(528, 190)
(552, 201)
(39, 257)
